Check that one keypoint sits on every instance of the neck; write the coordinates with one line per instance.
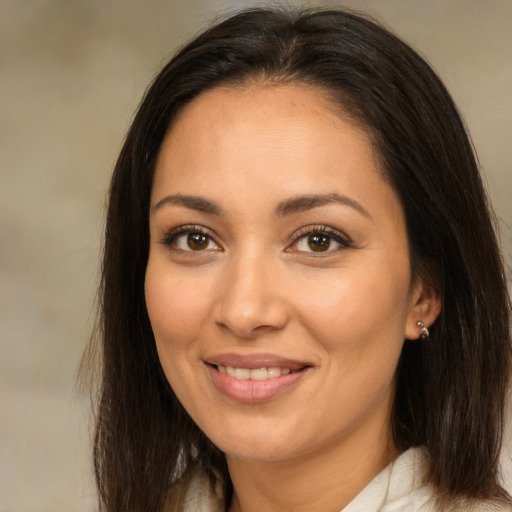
(322, 482)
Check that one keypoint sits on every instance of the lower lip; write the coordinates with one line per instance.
(254, 391)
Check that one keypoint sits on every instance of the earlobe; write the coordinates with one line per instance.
(424, 309)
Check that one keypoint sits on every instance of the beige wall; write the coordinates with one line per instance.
(71, 74)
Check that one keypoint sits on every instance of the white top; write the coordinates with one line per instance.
(398, 488)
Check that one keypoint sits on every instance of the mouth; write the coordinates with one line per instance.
(263, 373)
(256, 378)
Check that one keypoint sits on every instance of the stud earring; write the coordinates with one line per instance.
(424, 331)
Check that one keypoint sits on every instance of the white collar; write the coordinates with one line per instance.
(400, 487)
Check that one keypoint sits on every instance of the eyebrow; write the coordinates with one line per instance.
(198, 203)
(308, 202)
(287, 207)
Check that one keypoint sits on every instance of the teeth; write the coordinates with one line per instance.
(254, 374)
(259, 374)
(242, 373)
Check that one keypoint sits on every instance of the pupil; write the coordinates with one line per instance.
(319, 243)
(197, 241)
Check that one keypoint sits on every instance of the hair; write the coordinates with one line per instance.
(451, 389)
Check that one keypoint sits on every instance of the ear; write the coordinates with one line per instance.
(425, 306)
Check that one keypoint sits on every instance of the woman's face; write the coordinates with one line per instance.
(278, 283)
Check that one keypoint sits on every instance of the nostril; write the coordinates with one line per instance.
(249, 302)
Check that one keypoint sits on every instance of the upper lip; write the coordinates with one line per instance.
(255, 361)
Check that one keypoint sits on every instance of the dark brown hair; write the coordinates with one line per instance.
(450, 390)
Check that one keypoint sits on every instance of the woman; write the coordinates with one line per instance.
(303, 303)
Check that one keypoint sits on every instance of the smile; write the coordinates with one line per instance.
(256, 378)
(263, 373)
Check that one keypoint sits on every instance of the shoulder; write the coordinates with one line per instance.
(399, 487)
(195, 494)
(402, 487)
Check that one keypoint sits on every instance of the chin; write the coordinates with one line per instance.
(258, 450)
(249, 438)
(262, 440)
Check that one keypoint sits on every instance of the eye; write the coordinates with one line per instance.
(319, 239)
(193, 242)
(317, 243)
(190, 239)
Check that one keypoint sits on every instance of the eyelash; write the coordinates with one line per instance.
(185, 229)
(321, 229)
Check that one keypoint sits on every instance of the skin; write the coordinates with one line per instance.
(254, 285)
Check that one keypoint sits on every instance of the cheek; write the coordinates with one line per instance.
(176, 306)
(354, 306)
(176, 309)
(361, 315)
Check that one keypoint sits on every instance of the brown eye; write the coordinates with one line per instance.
(190, 239)
(323, 240)
(197, 241)
(319, 242)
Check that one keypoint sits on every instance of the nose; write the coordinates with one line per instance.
(252, 299)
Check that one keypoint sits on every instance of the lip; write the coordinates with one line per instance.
(255, 391)
(256, 361)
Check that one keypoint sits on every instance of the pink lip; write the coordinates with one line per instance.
(256, 361)
(255, 391)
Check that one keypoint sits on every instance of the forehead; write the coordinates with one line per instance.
(286, 139)
(264, 96)
(269, 102)
(269, 115)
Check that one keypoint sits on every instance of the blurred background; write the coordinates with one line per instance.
(71, 75)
